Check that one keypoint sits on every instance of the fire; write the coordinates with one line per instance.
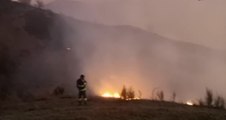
(111, 95)
(189, 103)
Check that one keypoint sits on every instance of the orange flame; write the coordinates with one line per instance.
(111, 95)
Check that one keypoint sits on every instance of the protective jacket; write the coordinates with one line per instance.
(81, 84)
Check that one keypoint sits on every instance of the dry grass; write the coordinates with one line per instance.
(105, 109)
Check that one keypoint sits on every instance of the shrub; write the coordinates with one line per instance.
(219, 102)
(123, 94)
(209, 97)
(160, 95)
(130, 93)
(127, 94)
(201, 103)
(174, 96)
(58, 91)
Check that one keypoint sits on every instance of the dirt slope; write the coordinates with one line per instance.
(106, 109)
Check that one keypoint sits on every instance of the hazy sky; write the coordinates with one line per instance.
(197, 21)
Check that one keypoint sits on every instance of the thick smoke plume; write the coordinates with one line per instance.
(113, 56)
(117, 55)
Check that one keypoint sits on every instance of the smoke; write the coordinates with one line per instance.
(118, 54)
(200, 22)
(113, 56)
(112, 53)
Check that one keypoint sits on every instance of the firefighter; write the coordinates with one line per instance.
(81, 85)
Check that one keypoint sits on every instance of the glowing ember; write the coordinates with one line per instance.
(111, 95)
(189, 103)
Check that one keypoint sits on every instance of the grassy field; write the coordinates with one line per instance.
(105, 109)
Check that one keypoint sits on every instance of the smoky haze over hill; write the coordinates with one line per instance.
(122, 54)
(116, 55)
(197, 21)
(50, 50)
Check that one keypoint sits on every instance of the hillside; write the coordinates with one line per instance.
(106, 109)
(30, 48)
(41, 50)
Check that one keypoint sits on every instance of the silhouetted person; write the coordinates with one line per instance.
(81, 85)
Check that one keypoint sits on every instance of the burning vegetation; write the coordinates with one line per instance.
(126, 94)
